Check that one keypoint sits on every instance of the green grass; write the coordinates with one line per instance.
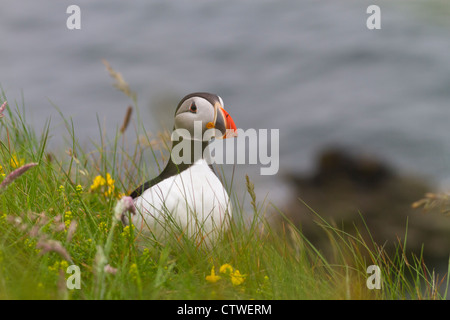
(277, 260)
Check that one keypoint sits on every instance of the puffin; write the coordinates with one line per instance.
(187, 199)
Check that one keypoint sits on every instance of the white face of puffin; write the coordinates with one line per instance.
(195, 109)
(200, 112)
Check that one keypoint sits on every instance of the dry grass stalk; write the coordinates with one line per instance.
(120, 83)
(432, 201)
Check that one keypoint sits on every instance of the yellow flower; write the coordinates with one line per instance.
(98, 182)
(30, 243)
(59, 265)
(15, 162)
(133, 271)
(64, 265)
(212, 278)
(79, 188)
(237, 278)
(109, 191)
(103, 227)
(226, 268)
(127, 231)
(109, 181)
(67, 218)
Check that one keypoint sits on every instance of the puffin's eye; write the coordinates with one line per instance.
(193, 108)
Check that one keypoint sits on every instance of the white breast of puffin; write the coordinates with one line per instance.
(193, 203)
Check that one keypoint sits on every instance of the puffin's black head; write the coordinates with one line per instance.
(205, 110)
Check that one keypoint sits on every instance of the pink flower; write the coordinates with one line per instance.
(124, 205)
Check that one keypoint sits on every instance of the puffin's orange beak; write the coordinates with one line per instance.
(231, 130)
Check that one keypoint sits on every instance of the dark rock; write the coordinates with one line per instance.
(346, 189)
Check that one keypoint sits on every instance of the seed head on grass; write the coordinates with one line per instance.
(71, 230)
(110, 270)
(100, 260)
(49, 245)
(126, 120)
(2, 108)
(15, 174)
(120, 83)
(251, 191)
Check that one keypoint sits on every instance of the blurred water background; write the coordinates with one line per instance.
(309, 68)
